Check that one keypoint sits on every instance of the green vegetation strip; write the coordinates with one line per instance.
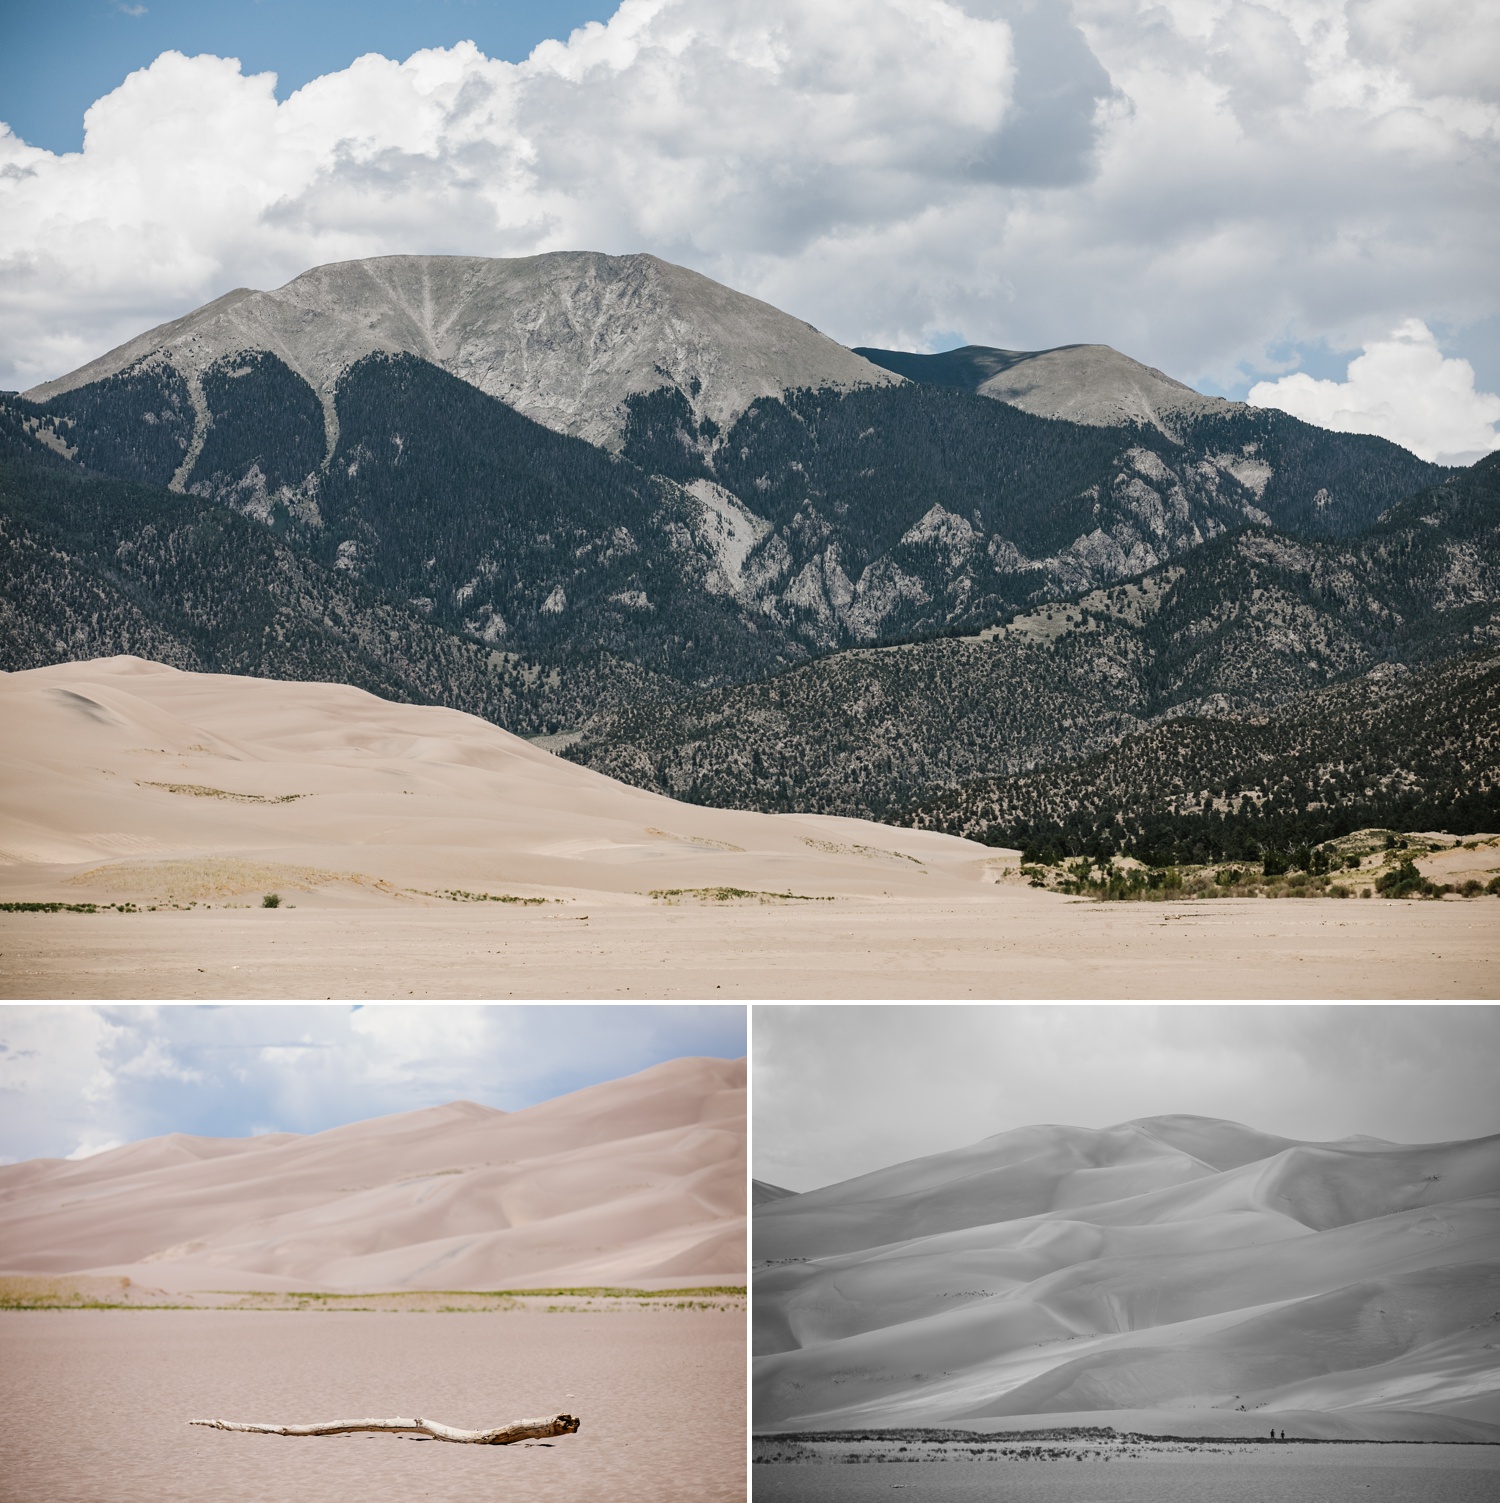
(199, 790)
(583, 1293)
(1308, 872)
(68, 908)
(729, 894)
(459, 895)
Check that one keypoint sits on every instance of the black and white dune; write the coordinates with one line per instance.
(1174, 1268)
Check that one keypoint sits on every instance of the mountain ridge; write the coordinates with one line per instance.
(564, 337)
(1084, 383)
(388, 504)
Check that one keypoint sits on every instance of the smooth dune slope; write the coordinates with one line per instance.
(1173, 1264)
(124, 778)
(637, 1180)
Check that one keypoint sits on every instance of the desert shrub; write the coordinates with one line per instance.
(1405, 881)
(271, 900)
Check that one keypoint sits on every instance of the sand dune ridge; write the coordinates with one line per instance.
(633, 1180)
(1064, 1270)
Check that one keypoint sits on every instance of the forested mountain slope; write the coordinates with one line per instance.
(91, 566)
(770, 497)
(1241, 624)
(1396, 750)
(778, 576)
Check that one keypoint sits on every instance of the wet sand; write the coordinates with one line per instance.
(995, 942)
(97, 1405)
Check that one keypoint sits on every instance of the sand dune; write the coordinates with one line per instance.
(1174, 1263)
(386, 829)
(638, 1180)
(125, 778)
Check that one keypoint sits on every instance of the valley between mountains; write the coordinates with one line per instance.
(691, 542)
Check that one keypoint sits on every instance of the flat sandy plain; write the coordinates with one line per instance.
(97, 1404)
(421, 852)
(1123, 1470)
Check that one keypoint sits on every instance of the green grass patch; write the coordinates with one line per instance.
(731, 894)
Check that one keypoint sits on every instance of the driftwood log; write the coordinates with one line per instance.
(502, 1435)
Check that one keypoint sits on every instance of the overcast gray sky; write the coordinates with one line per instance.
(1232, 190)
(75, 1080)
(839, 1091)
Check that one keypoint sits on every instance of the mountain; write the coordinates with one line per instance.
(1236, 627)
(1170, 1265)
(564, 338)
(1085, 383)
(635, 1180)
(1393, 750)
(606, 499)
(761, 493)
(94, 567)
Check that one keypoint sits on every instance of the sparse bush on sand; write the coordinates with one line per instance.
(271, 900)
(1304, 873)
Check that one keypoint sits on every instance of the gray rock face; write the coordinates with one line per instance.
(1091, 383)
(1085, 383)
(564, 338)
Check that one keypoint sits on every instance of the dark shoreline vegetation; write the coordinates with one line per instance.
(1069, 1433)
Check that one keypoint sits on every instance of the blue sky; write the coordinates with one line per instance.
(1251, 195)
(78, 1079)
(59, 56)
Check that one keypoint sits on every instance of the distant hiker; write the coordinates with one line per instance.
(1273, 1434)
(1283, 1434)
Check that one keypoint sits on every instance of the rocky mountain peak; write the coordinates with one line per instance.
(563, 337)
(1084, 383)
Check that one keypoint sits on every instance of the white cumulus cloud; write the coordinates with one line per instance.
(1196, 182)
(75, 1081)
(1402, 388)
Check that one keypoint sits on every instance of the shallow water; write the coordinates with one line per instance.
(1335, 1474)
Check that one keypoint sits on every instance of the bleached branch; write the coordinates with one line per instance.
(502, 1435)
